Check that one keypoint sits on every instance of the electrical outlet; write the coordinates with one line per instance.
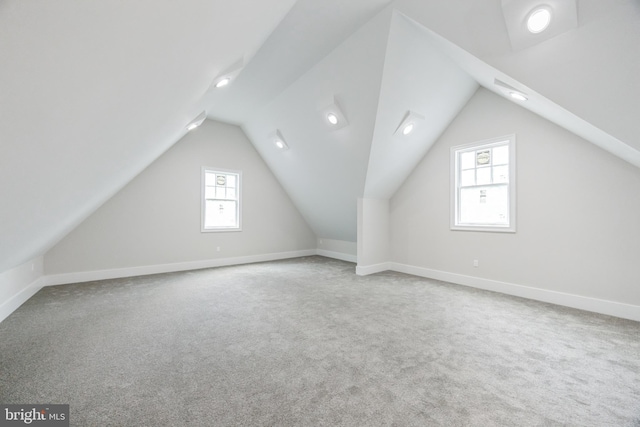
(476, 263)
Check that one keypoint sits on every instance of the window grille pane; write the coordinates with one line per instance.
(221, 180)
(483, 157)
(501, 174)
(501, 155)
(221, 193)
(468, 177)
(485, 205)
(467, 160)
(483, 176)
(210, 192)
(209, 179)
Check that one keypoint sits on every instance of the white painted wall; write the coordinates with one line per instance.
(373, 235)
(339, 249)
(578, 208)
(155, 219)
(19, 284)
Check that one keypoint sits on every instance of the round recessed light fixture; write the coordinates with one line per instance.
(518, 96)
(223, 82)
(538, 20)
(407, 129)
(332, 118)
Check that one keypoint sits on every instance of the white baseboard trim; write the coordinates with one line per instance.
(365, 270)
(116, 273)
(337, 255)
(611, 308)
(12, 304)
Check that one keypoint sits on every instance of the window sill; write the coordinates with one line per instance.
(219, 230)
(486, 229)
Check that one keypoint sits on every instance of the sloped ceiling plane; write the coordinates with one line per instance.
(91, 94)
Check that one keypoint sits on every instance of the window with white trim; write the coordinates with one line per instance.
(221, 202)
(483, 185)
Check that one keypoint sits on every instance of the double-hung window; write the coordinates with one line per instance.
(221, 190)
(483, 185)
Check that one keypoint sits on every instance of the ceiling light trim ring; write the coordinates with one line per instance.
(278, 140)
(538, 19)
(200, 118)
(333, 115)
(408, 124)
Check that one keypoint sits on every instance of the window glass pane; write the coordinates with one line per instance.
(221, 180)
(467, 160)
(209, 178)
(483, 176)
(221, 193)
(484, 205)
(483, 157)
(501, 155)
(468, 177)
(209, 192)
(221, 214)
(501, 174)
(231, 193)
(231, 180)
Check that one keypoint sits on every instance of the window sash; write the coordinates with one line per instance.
(211, 187)
(486, 157)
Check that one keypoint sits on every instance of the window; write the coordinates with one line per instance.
(483, 185)
(221, 200)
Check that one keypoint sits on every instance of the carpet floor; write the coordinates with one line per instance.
(306, 342)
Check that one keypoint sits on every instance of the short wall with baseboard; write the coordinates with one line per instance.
(89, 276)
(611, 308)
(21, 283)
(338, 249)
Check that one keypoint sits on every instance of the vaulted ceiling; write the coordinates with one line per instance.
(91, 93)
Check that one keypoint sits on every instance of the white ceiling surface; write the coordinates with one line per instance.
(93, 92)
(585, 79)
(324, 170)
(310, 31)
(591, 71)
(486, 75)
(420, 78)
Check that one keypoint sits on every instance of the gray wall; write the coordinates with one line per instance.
(578, 210)
(155, 219)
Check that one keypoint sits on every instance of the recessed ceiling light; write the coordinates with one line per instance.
(197, 121)
(539, 20)
(517, 95)
(408, 123)
(223, 82)
(279, 141)
(333, 115)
